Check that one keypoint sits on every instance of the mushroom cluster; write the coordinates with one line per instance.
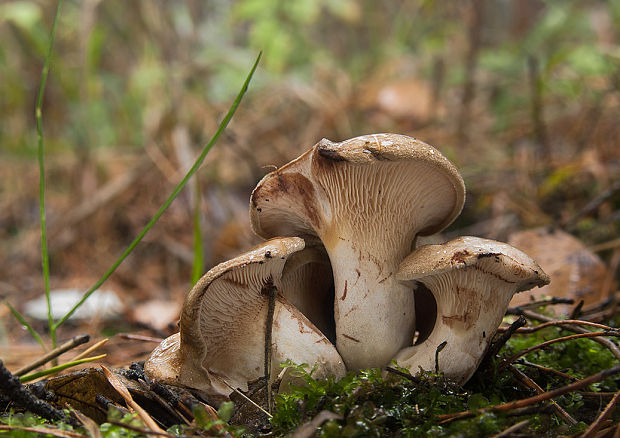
(334, 287)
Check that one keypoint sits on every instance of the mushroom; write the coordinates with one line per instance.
(223, 324)
(472, 281)
(365, 199)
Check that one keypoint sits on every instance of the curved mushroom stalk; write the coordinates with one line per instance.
(472, 281)
(223, 326)
(366, 199)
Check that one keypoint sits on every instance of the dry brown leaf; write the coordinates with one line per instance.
(88, 423)
(575, 271)
(124, 392)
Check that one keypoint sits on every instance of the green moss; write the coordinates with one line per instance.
(376, 405)
(372, 404)
(579, 358)
(30, 420)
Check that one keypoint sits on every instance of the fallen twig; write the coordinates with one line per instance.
(515, 427)
(591, 206)
(142, 338)
(561, 323)
(603, 341)
(529, 383)
(596, 425)
(90, 349)
(512, 358)
(548, 302)
(576, 312)
(496, 346)
(58, 368)
(252, 402)
(72, 343)
(446, 418)
(546, 369)
(18, 394)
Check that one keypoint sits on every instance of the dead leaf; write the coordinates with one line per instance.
(575, 271)
(88, 423)
(79, 389)
(116, 382)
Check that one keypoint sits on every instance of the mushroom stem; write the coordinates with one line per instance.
(370, 305)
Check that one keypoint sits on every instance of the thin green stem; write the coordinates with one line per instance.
(198, 250)
(40, 154)
(58, 368)
(175, 192)
(23, 322)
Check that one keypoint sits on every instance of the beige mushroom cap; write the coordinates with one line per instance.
(365, 199)
(472, 281)
(508, 262)
(223, 325)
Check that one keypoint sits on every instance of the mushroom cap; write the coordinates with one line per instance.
(294, 200)
(509, 263)
(223, 323)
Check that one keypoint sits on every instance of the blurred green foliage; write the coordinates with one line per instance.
(118, 63)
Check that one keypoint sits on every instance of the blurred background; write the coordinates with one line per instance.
(522, 95)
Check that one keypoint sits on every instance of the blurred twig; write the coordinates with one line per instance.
(612, 346)
(476, 14)
(590, 207)
(529, 383)
(561, 322)
(18, 394)
(545, 344)
(72, 343)
(445, 418)
(108, 192)
(536, 87)
(595, 426)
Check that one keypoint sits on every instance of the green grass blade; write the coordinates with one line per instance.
(197, 267)
(40, 155)
(58, 368)
(23, 321)
(173, 195)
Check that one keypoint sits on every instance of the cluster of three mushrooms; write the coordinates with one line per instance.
(358, 206)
